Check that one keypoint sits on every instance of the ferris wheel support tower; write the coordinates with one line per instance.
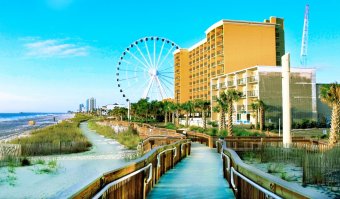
(304, 44)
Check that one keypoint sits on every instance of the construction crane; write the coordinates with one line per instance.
(304, 44)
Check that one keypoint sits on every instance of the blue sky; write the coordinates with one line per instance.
(56, 53)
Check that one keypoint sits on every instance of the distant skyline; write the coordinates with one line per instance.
(54, 54)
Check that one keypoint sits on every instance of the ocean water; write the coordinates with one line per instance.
(16, 123)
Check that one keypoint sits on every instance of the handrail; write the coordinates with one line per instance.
(160, 137)
(268, 193)
(159, 155)
(102, 191)
(287, 190)
(163, 137)
(184, 144)
(228, 160)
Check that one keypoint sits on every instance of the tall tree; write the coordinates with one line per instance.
(202, 106)
(255, 106)
(205, 111)
(142, 109)
(261, 109)
(188, 108)
(331, 95)
(173, 109)
(178, 107)
(222, 107)
(167, 109)
(232, 96)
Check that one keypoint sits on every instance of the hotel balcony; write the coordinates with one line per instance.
(214, 87)
(244, 94)
(241, 107)
(231, 84)
(253, 93)
(214, 98)
(241, 81)
(253, 79)
(222, 85)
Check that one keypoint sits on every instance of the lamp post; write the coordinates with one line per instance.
(286, 106)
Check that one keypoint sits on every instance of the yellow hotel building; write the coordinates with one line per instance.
(228, 46)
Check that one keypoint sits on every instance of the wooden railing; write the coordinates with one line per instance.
(249, 182)
(137, 179)
(246, 143)
(208, 140)
(154, 141)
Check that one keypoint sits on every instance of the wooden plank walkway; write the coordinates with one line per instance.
(197, 176)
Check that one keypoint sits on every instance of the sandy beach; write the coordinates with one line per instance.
(8, 138)
(74, 170)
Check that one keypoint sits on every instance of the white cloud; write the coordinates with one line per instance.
(55, 48)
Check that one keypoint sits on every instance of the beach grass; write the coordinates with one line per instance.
(62, 138)
(128, 138)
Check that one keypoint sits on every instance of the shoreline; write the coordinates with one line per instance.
(10, 137)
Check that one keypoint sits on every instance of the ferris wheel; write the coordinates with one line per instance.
(146, 69)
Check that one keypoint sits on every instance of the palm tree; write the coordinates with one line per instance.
(178, 108)
(221, 107)
(255, 106)
(172, 108)
(187, 107)
(202, 106)
(232, 96)
(142, 109)
(331, 95)
(122, 111)
(167, 109)
(261, 109)
(156, 108)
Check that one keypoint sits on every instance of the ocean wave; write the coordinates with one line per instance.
(23, 117)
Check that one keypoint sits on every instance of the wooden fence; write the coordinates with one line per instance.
(246, 180)
(245, 143)
(137, 179)
(320, 163)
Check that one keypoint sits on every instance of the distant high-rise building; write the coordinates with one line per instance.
(81, 108)
(87, 105)
(92, 104)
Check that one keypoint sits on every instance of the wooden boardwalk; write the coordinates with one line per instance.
(197, 176)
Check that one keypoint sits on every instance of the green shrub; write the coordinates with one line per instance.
(212, 131)
(241, 132)
(324, 136)
(270, 126)
(170, 126)
(223, 133)
(61, 138)
(106, 131)
(212, 123)
(51, 167)
(250, 156)
(40, 161)
(128, 138)
(274, 168)
(197, 129)
(285, 176)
